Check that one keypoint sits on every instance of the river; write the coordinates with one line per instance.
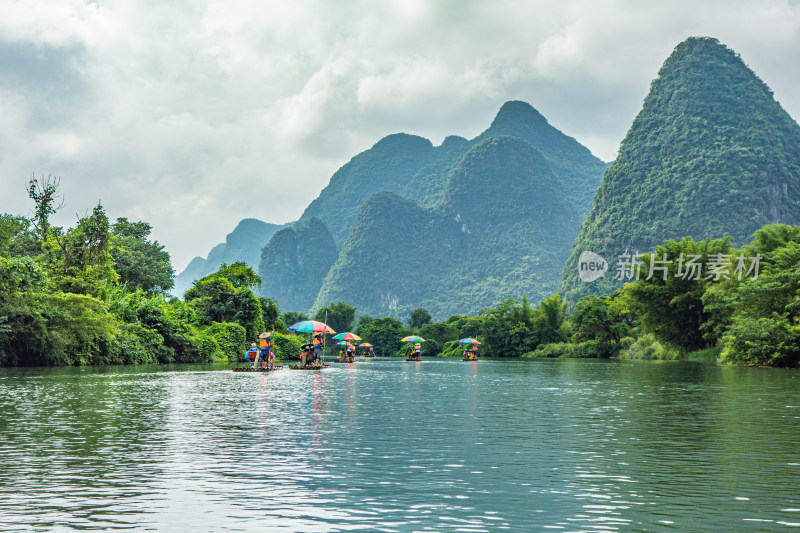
(390, 445)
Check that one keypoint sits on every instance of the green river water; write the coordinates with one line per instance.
(389, 445)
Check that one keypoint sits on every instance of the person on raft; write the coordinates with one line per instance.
(474, 354)
(251, 354)
(341, 354)
(351, 353)
(267, 356)
(307, 355)
(417, 351)
(319, 340)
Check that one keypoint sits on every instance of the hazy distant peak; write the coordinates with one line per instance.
(454, 141)
(403, 141)
(518, 112)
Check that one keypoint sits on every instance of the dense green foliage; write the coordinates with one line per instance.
(139, 263)
(293, 317)
(504, 228)
(95, 294)
(227, 296)
(294, 263)
(700, 300)
(670, 303)
(710, 154)
(383, 333)
(765, 311)
(418, 318)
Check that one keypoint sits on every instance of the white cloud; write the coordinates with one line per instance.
(194, 115)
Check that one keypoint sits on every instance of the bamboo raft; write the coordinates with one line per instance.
(337, 361)
(251, 369)
(412, 359)
(468, 359)
(320, 367)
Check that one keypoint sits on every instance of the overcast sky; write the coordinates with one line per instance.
(192, 115)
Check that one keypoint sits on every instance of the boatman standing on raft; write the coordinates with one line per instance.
(417, 351)
(265, 345)
(318, 341)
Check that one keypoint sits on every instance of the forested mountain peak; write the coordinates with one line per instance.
(711, 153)
(515, 113)
(579, 171)
(520, 142)
(387, 166)
(497, 173)
(503, 228)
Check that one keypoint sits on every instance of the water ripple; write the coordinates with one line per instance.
(387, 445)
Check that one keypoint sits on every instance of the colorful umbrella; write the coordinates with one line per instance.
(365, 345)
(412, 338)
(468, 341)
(347, 336)
(342, 343)
(311, 326)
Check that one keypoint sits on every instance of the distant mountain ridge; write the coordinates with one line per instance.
(503, 229)
(410, 167)
(711, 153)
(244, 243)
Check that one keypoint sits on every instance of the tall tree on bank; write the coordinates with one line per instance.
(140, 262)
(46, 195)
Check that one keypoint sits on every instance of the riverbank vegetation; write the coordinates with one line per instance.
(96, 293)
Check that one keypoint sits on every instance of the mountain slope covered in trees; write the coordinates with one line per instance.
(294, 262)
(711, 153)
(387, 166)
(412, 168)
(504, 228)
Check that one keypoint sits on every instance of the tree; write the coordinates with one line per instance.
(240, 275)
(217, 299)
(669, 304)
(765, 318)
(594, 319)
(11, 228)
(551, 319)
(384, 334)
(293, 317)
(140, 262)
(418, 318)
(45, 195)
(508, 329)
(340, 316)
(78, 260)
(271, 314)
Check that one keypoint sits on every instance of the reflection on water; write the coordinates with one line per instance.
(402, 446)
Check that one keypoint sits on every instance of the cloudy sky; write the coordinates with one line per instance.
(192, 115)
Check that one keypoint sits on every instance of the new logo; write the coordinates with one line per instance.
(591, 266)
